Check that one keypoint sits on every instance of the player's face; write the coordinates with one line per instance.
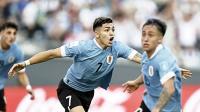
(105, 35)
(151, 38)
(8, 37)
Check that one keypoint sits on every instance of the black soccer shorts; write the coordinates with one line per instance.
(70, 98)
(143, 108)
(2, 101)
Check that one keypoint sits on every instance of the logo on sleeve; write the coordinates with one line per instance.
(151, 72)
(164, 66)
(109, 59)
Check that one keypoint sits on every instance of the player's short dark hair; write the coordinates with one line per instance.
(98, 22)
(160, 25)
(8, 25)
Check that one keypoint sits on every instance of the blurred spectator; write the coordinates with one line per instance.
(166, 13)
(31, 17)
(58, 23)
(187, 32)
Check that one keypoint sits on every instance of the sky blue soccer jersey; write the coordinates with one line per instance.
(156, 70)
(92, 66)
(7, 59)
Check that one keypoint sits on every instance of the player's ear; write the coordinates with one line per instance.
(96, 32)
(160, 41)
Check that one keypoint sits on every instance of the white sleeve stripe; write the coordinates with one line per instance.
(62, 49)
(132, 54)
(167, 77)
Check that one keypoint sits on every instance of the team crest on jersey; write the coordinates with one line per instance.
(109, 59)
(11, 59)
(151, 72)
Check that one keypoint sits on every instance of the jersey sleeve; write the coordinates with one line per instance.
(166, 69)
(70, 49)
(125, 51)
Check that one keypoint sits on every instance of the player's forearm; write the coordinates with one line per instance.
(164, 98)
(140, 80)
(167, 92)
(137, 58)
(23, 79)
(44, 56)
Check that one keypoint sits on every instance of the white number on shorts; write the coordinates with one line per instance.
(69, 97)
(138, 110)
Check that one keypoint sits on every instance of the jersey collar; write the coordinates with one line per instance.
(97, 44)
(158, 48)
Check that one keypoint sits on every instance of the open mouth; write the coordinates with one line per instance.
(111, 39)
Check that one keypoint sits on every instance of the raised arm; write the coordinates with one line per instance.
(136, 57)
(133, 85)
(38, 58)
(45, 56)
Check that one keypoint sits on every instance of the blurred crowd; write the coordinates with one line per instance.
(48, 24)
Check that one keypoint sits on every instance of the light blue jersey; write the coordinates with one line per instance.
(157, 69)
(7, 59)
(92, 66)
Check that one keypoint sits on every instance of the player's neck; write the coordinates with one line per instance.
(3, 47)
(99, 44)
(150, 53)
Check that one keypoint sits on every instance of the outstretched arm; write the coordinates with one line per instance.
(167, 92)
(133, 85)
(136, 58)
(38, 58)
(45, 56)
(24, 81)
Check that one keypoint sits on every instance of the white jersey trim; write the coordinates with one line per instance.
(97, 43)
(167, 77)
(62, 49)
(159, 47)
(132, 54)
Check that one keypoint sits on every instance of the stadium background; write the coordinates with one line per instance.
(46, 24)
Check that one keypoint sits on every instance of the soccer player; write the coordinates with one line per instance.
(92, 67)
(160, 73)
(10, 54)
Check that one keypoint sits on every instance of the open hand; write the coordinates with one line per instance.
(15, 68)
(130, 86)
(186, 73)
